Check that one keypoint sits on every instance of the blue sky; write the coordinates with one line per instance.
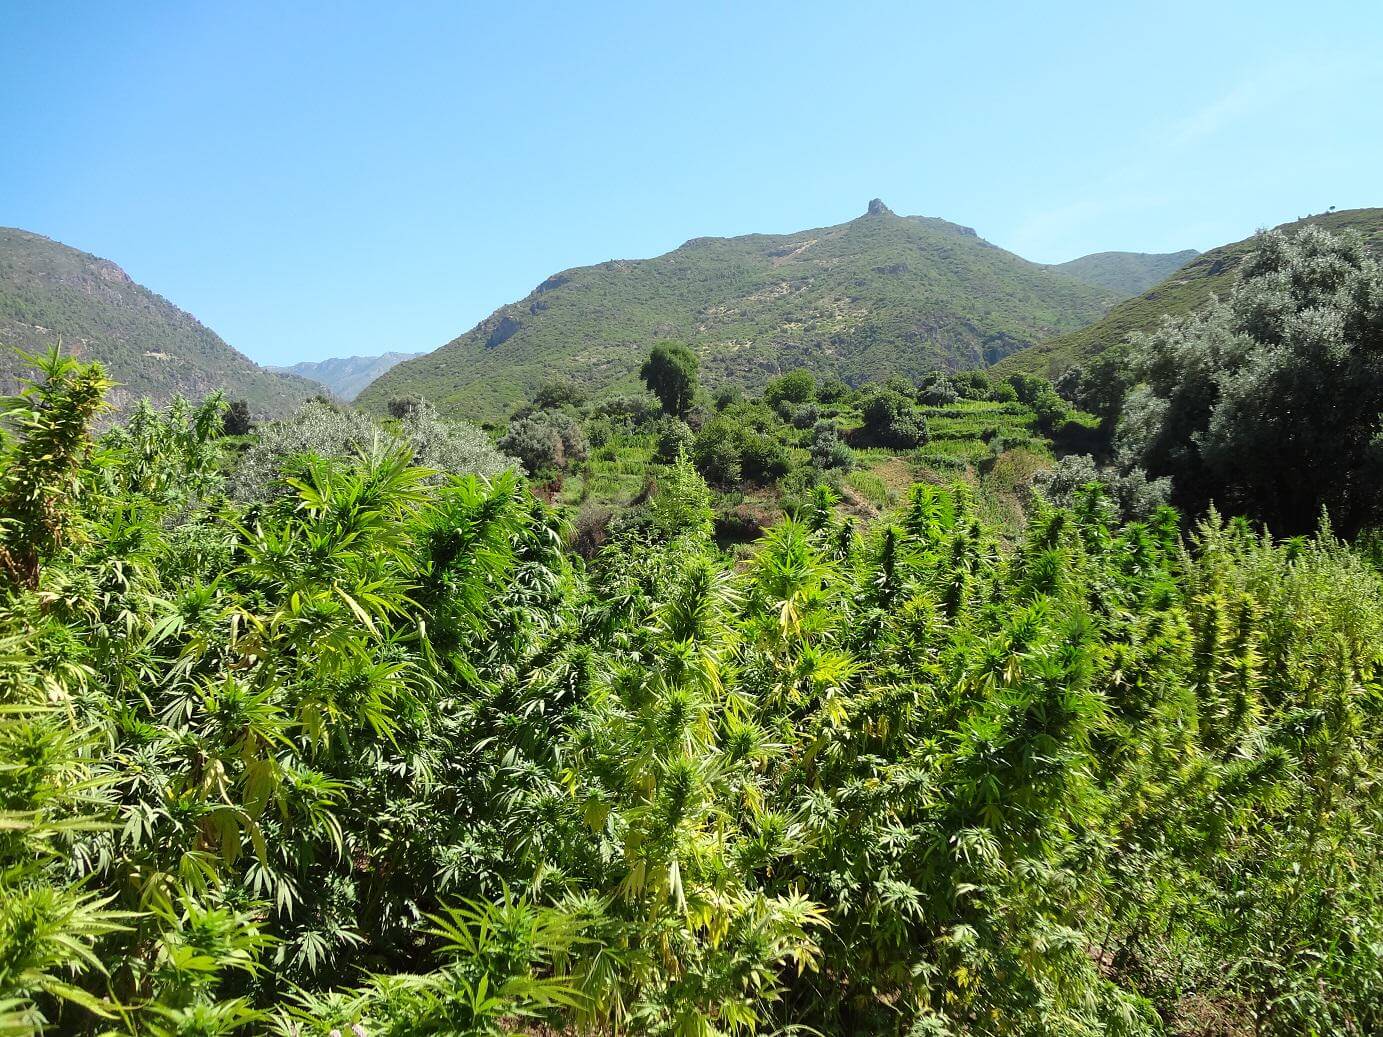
(317, 180)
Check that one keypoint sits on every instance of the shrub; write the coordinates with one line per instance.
(805, 416)
(795, 387)
(555, 395)
(832, 390)
(675, 438)
(763, 457)
(545, 441)
(322, 429)
(716, 452)
(940, 393)
(891, 420)
(236, 421)
(828, 450)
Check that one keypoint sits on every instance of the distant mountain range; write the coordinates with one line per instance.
(1186, 289)
(880, 295)
(346, 376)
(50, 292)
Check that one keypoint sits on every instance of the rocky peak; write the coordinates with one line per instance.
(878, 208)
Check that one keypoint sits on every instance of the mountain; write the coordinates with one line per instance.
(346, 376)
(1127, 273)
(880, 295)
(1188, 289)
(49, 291)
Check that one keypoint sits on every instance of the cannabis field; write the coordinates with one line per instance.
(372, 751)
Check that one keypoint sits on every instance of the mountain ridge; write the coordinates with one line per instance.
(877, 295)
(51, 292)
(346, 376)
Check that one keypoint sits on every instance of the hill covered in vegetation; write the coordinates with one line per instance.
(50, 292)
(1128, 273)
(1188, 289)
(881, 295)
(346, 376)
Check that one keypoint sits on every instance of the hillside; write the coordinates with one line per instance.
(50, 292)
(880, 295)
(346, 376)
(1125, 272)
(1211, 273)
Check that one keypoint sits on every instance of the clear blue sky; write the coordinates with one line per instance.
(317, 180)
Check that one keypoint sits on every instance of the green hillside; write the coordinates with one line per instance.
(50, 292)
(878, 296)
(1125, 272)
(1188, 289)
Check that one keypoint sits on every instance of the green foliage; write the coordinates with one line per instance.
(375, 756)
(794, 387)
(45, 448)
(546, 441)
(682, 503)
(670, 374)
(322, 429)
(1270, 403)
(890, 419)
(1187, 290)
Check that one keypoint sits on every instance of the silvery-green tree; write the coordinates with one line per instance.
(1271, 403)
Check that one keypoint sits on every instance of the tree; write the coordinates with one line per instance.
(1271, 403)
(236, 421)
(553, 395)
(670, 374)
(891, 420)
(795, 387)
(545, 441)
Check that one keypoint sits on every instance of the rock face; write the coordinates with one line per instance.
(878, 208)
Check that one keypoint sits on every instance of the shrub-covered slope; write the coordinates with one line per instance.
(878, 296)
(1126, 272)
(49, 291)
(1188, 289)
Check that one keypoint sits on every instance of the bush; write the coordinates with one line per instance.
(940, 393)
(763, 457)
(891, 420)
(828, 450)
(795, 387)
(805, 416)
(546, 441)
(555, 395)
(322, 429)
(1136, 496)
(674, 439)
(236, 421)
(716, 452)
(832, 390)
